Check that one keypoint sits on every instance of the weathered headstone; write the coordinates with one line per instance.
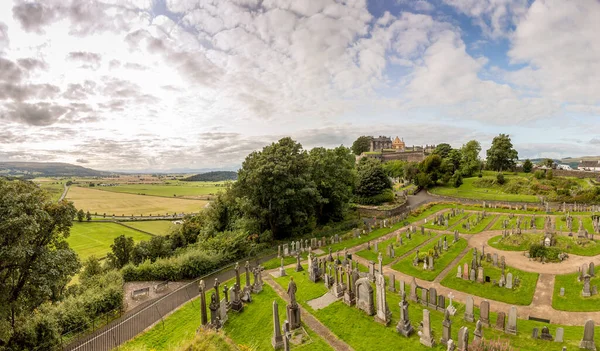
(293, 310)
(478, 333)
(560, 333)
(484, 313)
(364, 296)
(459, 272)
(586, 286)
(446, 329)
(509, 281)
(203, 313)
(511, 327)
(500, 320)
(424, 296)
(392, 286)
(535, 333)
(480, 276)
(383, 315)
(469, 310)
(277, 340)
(562, 291)
(546, 334)
(463, 339)
(588, 336)
(465, 271)
(426, 334)
(432, 298)
(404, 327)
(413, 290)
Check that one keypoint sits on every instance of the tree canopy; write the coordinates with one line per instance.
(501, 155)
(372, 179)
(361, 144)
(470, 158)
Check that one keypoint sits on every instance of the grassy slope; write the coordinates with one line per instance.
(405, 265)
(408, 244)
(154, 227)
(127, 204)
(361, 332)
(95, 238)
(468, 191)
(573, 300)
(522, 295)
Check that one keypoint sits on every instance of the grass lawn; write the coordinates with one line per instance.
(95, 238)
(468, 191)
(276, 262)
(407, 245)
(573, 300)
(451, 222)
(512, 222)
(154, 227)
(479, 227)
(127, 204)
(567, 244)
(405, 265)
(521, 295)
(361, 332)
(171, 189)
(253, 327)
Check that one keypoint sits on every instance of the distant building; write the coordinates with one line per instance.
(385, 149)
(381, 143)
(398, 144)
(593, 166)
(564, 167)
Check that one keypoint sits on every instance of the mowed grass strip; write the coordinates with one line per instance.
(451, 222)
(476, 228)
(127, 204)
(407, 245)
(154, 227)
(518, 295)
(253, 327)
(573, 299)
(454, 249)
(95, 238)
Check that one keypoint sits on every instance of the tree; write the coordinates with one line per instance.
(456, 180)
(121, 251)
(500, 178)
(394, 169)
(443, 150)
(470, 162)
(88, 216)
(275, 188)
(455, 159)
(527, 166)
(362, 144)
(36, 262)
(334, 175)
(91, 267)
(80, 215)
(372, 179)
(410, 171)
(501, 155)
(432, 166)
(548, 162)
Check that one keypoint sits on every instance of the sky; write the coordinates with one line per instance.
(178, 84)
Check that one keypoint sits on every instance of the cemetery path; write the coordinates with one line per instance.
(542, 299)
(518, 259)
(314, 324)
(445, 271)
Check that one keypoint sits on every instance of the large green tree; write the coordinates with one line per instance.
(372, 179)
(361, 144)
(333, 173)
(501, 155)
(394, 169)
(275, 187)
(432, 166)
(122, 249)
(36, 262)
(443, 150)
(527, 166)
(470, 162)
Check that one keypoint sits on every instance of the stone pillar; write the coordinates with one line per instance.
(426, 335)
(203, 314)
(277, 340)
(447, 329)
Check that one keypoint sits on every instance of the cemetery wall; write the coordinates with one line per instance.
(367, 211)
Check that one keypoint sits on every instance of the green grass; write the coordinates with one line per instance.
(476, 228)
(525, 222)
(170, 189)
(405, 265)
(54, 189)
(154, 227)
(95, 238)
(468, 191)
(573, 300)
(521, 295)
(451, 222)
(567, 244)
(361, 332)
(407, 245)
(253, 327)
(276, 262)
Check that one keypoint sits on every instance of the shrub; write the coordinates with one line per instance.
(386, 196)
(480, 175)
(549, 175)
(500, 178)
(539, 174)
(541, 251)
(457, 180)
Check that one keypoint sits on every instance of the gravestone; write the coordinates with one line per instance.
(392, 286)
(469, 310)
(441, 305)
(592, 269)
(404, 327)
(402, 286)
(450, 345)
(588, 336)
(484, 313)
(459, 272)
(413, 290)
(426, 334)
(480, 276)
(473, 275)
(500, 320)
(535, 333)
(560, 333)
(463, 339)
(509, 280)
(450, 307)
(203, 313)
(478, 333)
(546, 334)
(277, 340)
(465, 271)
(383, 315)
(511, 327)
(424, 296)
(432, 298)
(495, 259)
(364, 296)
(586, 286)
(446, 328)
(562, 291)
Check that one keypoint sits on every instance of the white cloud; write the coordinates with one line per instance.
(494, 17)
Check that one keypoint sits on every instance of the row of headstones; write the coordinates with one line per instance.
(219, 307)
(575, 207)
(429, 259)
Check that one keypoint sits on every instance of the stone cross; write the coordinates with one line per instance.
(404, 327)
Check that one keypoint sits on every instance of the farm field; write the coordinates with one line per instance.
(128, 204)
(154, 227)
(53, 188)
(95, 238)
(169, 189)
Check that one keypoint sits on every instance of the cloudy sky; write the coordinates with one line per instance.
(162, 84)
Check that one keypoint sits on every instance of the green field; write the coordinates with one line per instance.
(406, 264)
(154, 227)
(468, 191)
(53, 188)
(169, 189)
(519, 295)
(95, 238)
(573, 300)
(252, 328)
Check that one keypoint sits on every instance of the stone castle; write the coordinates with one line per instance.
(385, 149)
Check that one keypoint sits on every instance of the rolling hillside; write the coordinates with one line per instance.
(48, 169)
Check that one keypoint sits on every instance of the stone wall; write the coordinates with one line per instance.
(577, 174)
(369, 211)
(410, 156)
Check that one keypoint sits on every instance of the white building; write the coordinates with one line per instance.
(593, 166)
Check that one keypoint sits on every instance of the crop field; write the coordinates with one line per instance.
(53, 188)
(154, 227)
(128, 204)
(170, 189)
(95, 238)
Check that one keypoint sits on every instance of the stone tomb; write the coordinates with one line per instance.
(364, 296)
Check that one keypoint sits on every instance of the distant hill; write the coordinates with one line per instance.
(47, 169)
(212, 176)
